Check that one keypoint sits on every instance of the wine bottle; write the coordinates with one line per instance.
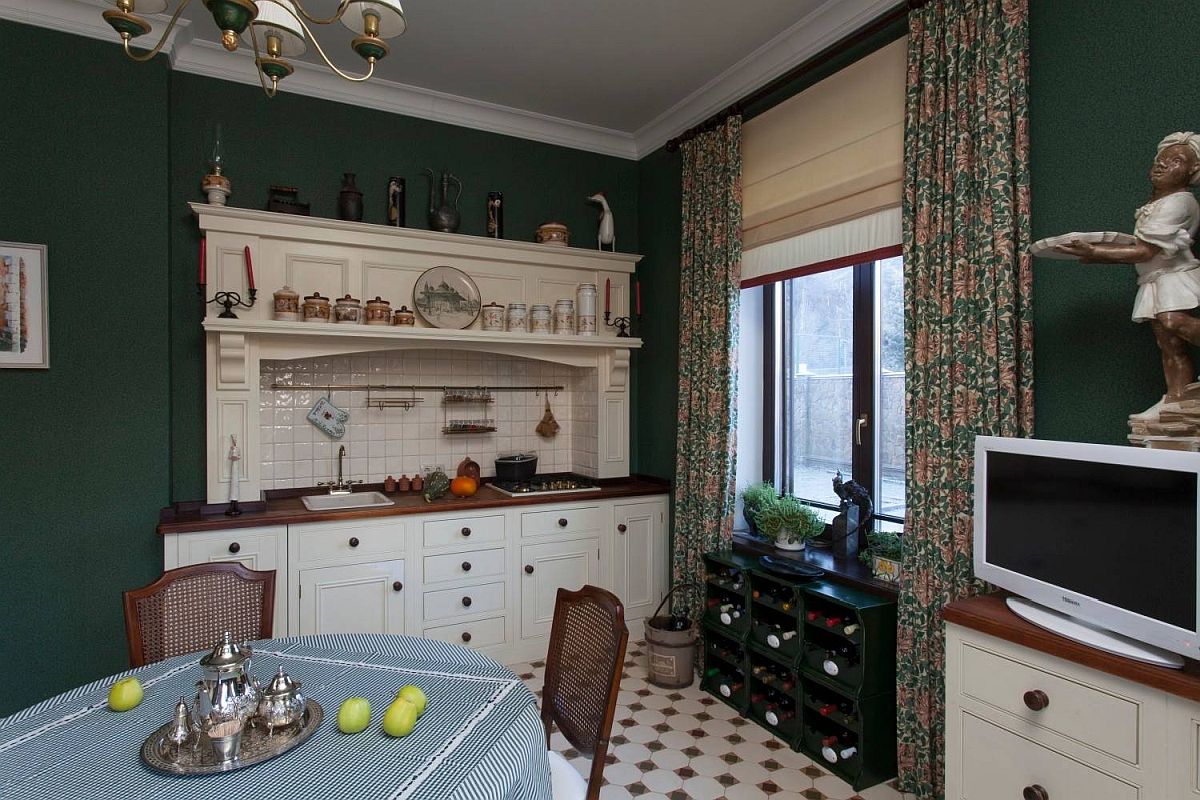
(827, 709)
(850, 630)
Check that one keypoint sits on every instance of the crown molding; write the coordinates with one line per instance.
(833, 21)
(825, 26)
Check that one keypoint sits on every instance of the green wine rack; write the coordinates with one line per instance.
(812, 661)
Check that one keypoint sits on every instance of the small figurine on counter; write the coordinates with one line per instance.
(605, 234)
(235, 455)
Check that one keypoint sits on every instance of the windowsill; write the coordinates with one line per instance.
(846, 568)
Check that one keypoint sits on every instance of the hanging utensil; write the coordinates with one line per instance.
(548, 427)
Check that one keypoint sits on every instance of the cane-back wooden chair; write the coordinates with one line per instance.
(583, 675)
(189, 608)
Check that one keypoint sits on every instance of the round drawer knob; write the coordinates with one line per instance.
(466, 565)
(397, 586)
(529, 569)
(1035, 792)
(562, 522)
(621, 528)
(1036, 700)
(466, 531)
(466, 637)
(466, 601)
(233, 548)
(354, 541)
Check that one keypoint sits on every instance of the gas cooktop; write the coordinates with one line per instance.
(550, 483)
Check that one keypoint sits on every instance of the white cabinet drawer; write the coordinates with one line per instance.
(471, 564)
(566, 520)
(349, 543)
(254, 548)
(479, 633)
(1087, 714)
(998, 764)
(464, 531)
(445, 604)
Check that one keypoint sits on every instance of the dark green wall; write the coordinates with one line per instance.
(84, 445)
(1106, 85)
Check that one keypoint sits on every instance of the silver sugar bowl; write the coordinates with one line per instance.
(281, 703)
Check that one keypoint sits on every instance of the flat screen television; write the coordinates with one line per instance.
(1102, 539)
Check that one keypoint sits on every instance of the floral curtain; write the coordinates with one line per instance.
(967, 322)
(710, 274)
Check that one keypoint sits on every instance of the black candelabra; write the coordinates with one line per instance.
(232, 300)
(622, 324)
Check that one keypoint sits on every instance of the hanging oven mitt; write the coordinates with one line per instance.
(548, 427)
(329, 418)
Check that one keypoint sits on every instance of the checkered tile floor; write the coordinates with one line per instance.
(682, 744)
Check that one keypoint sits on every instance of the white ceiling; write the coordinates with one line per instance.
(618, 77)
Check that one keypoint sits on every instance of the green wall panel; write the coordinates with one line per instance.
(84, 160)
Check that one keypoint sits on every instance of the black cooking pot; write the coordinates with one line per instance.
(516, 468)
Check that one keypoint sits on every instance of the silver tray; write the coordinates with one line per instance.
(256, 748)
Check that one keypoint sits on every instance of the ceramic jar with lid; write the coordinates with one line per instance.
(516, 317)
(287, 305)
(316, 308)
(404, 316)
(564, 317)
(493, 317)
(554, 233)
(348, 309)
(379, 311)
(585, 320)
(539, 319)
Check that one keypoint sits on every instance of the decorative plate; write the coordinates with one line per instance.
(1044, 248)
(446, 297)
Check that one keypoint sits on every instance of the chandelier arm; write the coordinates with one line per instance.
(342, 6)
(146, 56)
(321, 51)
(262, 79)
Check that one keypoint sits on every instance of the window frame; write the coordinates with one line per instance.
(865, 366)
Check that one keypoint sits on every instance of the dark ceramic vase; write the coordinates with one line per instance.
(350, 200)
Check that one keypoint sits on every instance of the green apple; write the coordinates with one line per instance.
(125, 694)
(400, 718)
(414, 695)
(354, 715)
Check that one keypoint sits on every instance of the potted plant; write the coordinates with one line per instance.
(882, 553)
(754, 497)
(788, 522)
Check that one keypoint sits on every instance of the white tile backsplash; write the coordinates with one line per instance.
(392, 441)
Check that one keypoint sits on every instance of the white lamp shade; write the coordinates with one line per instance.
(273, 18)
(148, 6)
(391, 16)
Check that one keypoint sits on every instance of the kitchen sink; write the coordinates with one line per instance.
(346, 502)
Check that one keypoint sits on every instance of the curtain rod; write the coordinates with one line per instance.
(795, 73)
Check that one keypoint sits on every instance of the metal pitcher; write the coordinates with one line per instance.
(442, 215)
(228, 691)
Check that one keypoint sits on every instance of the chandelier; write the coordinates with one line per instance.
(282, 25)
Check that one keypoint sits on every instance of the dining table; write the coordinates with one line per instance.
(481, 736)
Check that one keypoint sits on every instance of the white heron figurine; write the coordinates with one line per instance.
(606, 235)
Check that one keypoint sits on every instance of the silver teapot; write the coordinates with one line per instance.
(227, 697)
(281, 703)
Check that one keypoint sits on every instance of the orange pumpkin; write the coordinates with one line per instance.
(463, 486)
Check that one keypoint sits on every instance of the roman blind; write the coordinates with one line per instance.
(830, 156)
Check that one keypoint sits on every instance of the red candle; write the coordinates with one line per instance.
(249, 269)
(637, 296)
(203, 259)
(607, 293)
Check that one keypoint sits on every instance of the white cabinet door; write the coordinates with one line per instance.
(545, 568)
(255, 548)
(360, 598)
(639, 556)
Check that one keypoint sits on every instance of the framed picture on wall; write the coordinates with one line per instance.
(23, 306)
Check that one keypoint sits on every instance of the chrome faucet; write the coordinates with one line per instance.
(340, 486)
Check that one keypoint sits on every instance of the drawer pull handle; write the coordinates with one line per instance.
(466, 637)
(466, 565)
(465, 531)
(1034, 792)
(1036, 700)
(354, 541)
(397, 586)
(233, 548)
(562, 522)
(466, 601)
(621, 528)
(529, 569)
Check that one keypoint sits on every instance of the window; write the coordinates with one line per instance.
(834, 384)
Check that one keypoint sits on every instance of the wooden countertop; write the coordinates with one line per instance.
(988, 614)
(194, 517)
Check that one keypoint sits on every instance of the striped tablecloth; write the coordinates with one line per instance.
(480, 737)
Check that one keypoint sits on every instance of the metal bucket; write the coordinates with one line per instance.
(671, 654)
